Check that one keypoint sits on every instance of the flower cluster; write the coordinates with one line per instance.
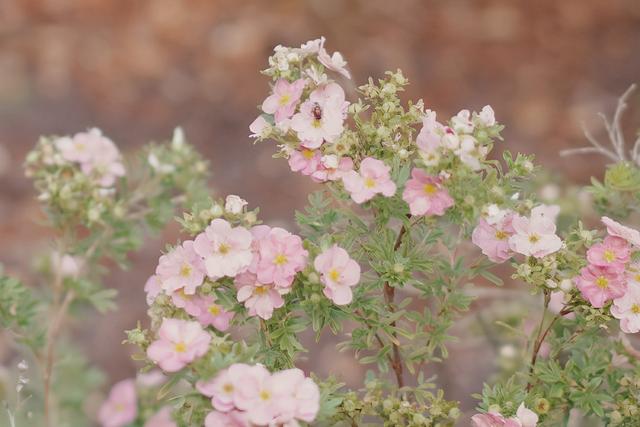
(610, 275)
(246, 395)
(502, 232)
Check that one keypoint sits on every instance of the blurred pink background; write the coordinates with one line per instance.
(137, 69)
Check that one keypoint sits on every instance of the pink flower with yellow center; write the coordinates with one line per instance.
(305, 161)
(284, 99)
(179, 343)
(339, 273)
(259, 299)
(613, 252)
(212, 313)
(618, 230)
(600, 284)
(121, 407)
(182, 268)
(494, 239)
(226, 250)
(372, 178)
(279, 255)
(321, 117)
(426, 195)
(535, 236)
(627, 309)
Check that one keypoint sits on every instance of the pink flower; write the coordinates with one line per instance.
(229, 419)
(600, 284)
(321, 117)
(284, 99)
(121, 407)
(425, 194)
(187, 302)
(259, 394)
(213, 314)
(153, 288)
(613, 252)
(259, 128)
(334, 62)
(162, 418)
(226, 250)
(430, 136)
(627, 309)
(222, 388)
(535, 236)
(279, 256)
(305, 161)
(179, 343)
(524, 418)
(103, 158)
(462, 122)
(258, 298)
(181, 268)
(618, 230)
(332, 168)
(373, 178)
(339, 273)
(299, 396)
(494, 239)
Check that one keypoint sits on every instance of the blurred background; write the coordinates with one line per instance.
(138, 68)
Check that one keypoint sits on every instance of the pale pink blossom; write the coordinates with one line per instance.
(600, 284)
(222, 388)
(284, 99)
(226, 250)
(339, 273)
(181, 268)
(627, 309)
(299, 396)
(179, 343)
(494, 239)
(426, 195)
(333, 62)
(430, 136)
(486, 117)
(535, 236)
(104, 161)
(259, 128)
(153, 378)
(121, 407)
(279, 256)
(470, 152)
(234, 204)
(613, 252)
(321, 117)
(332, 168)
(162, 418)
(187, 302)
(462, 123)
(373, 178)
(259, 394)
(213, 314)
(305, 161)
(524, 418)
(226, 419)
(153, 288)
(259, 299)
(618, 230)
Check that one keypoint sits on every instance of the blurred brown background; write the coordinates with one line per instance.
(137, 68)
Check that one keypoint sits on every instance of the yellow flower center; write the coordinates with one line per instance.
(534, 238)
(334, 275)
(602, 282)
(429, 189)
(214, 309)
(180, 347)
(183, 295)
(280, 259)
(185, 271)
(228, 388)
(265, 395)
(260, 290)
(609, 255)
(118, 407)
(501, 235)
(637, 277)
(635, 309)
(307, 154)
(284, 99)
(224, 248)
(316, 123)
(369, 183)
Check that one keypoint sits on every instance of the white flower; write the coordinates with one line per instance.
(527, 417)
(234, 204)
(486, 116)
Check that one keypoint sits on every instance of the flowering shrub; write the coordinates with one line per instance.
(382, 259)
